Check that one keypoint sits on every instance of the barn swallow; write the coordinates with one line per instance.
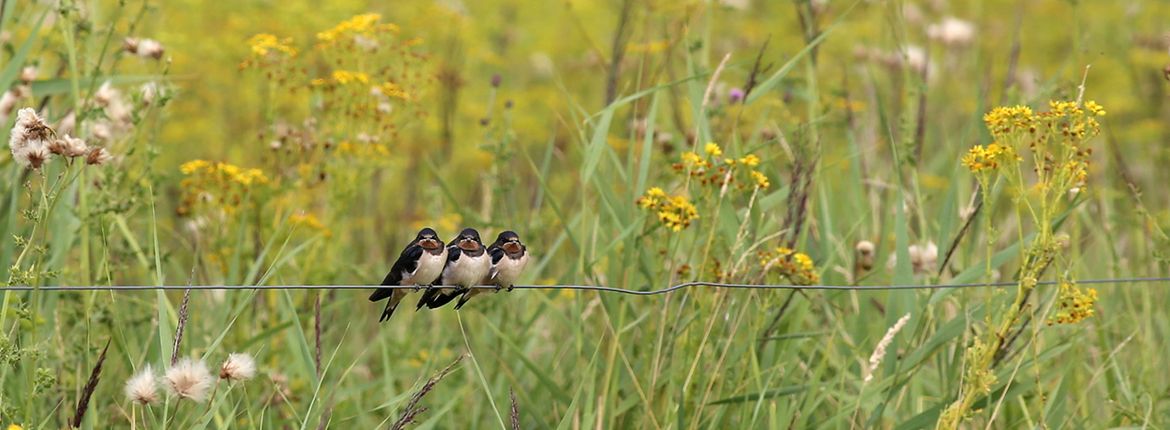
(467, 264)
(420, 264)
(509, 256)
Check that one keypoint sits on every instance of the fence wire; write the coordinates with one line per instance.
(600, 288)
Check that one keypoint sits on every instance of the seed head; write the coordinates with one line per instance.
(98, 156)
(189, 379)
(238, 367)
(142, 388)
(68, 146)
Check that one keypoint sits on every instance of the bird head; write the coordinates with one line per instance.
(428, 239)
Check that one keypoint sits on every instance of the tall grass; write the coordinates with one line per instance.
(858, 138)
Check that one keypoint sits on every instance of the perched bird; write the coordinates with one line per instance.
(509, 256)
(468, 264)
(420, 264)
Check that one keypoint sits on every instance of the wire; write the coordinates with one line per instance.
(582, 287)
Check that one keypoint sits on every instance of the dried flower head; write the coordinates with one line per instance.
(142, 388)
(98, 156)
(145, 48)
(28, 74)
(68, 146)
(238, 367)
(29, 139)
(952, 31)
(189, 379)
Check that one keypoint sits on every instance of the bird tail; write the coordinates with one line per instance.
(442, 298)
(462, 300)
(427, 297)
(381, 293)
(389, 311)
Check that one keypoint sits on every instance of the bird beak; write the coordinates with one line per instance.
(429, 244)
(511, 247)
(468, 245)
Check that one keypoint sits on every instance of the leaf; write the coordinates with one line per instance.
(770, 394)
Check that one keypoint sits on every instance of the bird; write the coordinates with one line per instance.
(509, 256)
(467, 264)
(420, 264)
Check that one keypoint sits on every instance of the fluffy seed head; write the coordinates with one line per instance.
(68, 146)
(189, 379)
(142, 388)
(98, 156)
(238, 367)
(29, 139)
(28, 74)
(952, 31)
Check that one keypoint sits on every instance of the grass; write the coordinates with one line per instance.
(320, 182)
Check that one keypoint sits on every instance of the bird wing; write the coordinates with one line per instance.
(407, 263)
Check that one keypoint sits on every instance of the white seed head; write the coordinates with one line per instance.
(29, 139)
(952, 31)
(150, 48)
(142, 388)
(28, 74)
(68, 146)
(865, 247)
(238, 367)
(101, 131)
(189, 379)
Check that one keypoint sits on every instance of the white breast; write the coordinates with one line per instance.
(428, 270)
(467, 271)
(507, 270)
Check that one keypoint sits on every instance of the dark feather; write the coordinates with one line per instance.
(442, 298)
(497, 254)
(391, 305)
(407, 263)
(426, 298)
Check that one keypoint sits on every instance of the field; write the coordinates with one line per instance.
(634, 144)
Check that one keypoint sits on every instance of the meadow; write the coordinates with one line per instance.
(634, 144)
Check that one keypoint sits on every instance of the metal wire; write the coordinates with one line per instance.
(583, 287)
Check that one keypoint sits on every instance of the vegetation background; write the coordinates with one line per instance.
(632, 144)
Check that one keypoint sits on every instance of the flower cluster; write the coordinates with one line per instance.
(34, 143)
(797, 267)
(342, 77)
(1055, 138)
(982, 158)
(675, 212)
(360, 29)
(1007, 119)
(712, 168)
(1074, 304)
(220, 184)
(188, 379)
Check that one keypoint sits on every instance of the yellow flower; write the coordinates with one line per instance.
(985, 158)
(264, 43)
(390, 89)
(344, 77)
(750, 160)
(694, 163)
(1094, 108)
(15, 427)
(1064, 108)
(797, 267)
(761, 179)
(1003, 120)
(360, 25)
(1074, 304)
(713, 149)
(676, 212)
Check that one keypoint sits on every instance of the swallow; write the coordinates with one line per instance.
(467, 264)
(509, 256)
(420, 264)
